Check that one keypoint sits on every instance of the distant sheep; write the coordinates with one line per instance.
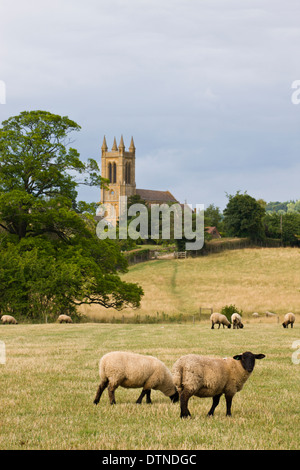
(205, 376)
(255, 315)
(289, 319)
(64, 319)
(8, 320)
(270, 314)
(131, 370)
(236, 321)
(219, 319)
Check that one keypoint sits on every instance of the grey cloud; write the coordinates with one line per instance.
(204, 87)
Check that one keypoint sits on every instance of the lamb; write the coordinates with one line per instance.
(236, 321)
(289, 319)
(64, 319)
(219, 318)
(9, 320)
(131, 370)
(205, 376)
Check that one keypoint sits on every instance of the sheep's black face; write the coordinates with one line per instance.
(248, 360)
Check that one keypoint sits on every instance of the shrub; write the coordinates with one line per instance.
(228, 310)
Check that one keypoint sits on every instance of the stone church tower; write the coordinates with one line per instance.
(118, 166)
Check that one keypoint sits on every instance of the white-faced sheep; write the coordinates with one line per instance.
(8, 320)
(219, 319)
(131, 370)
(64, 319)
(236, 321)
(204, 376)
(289, 319)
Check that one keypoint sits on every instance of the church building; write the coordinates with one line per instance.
(118, 166)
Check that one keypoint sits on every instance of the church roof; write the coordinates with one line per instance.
(156, 196)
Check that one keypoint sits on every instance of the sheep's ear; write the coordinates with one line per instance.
(259, 356)
(238, 357)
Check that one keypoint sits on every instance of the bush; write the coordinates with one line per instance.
(228, 310)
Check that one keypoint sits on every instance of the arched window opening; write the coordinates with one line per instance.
(127, 173)
(114, 173)
(110, 172)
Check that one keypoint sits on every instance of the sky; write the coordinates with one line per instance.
(203, 86)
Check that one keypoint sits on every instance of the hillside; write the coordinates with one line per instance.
(253, 279)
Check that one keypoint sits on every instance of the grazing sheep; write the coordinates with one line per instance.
(204, 376)
(289, 319)
(8, 320)
(236, 321)
(64, 319)
(131, 370)
(220, 319)
(270, 314)
(255, 315)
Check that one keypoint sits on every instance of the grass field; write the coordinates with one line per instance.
(49, 381)
(253, 279)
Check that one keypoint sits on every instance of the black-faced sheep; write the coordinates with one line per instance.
(131, 370)
(236, 321)
(64, 319)
(289, 319)
(8, 320)
(219, 319)
(204, 376)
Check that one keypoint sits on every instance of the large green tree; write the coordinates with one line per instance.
(285, 227)
(243, 217)
(50, 257)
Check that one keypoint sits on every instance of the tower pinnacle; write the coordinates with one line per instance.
(104, 145)
(132, 147)
(121, 144)
(114, 147)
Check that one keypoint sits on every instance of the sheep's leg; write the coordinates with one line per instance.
(100, 390)
(216, 400)
(212, 325)
(147, 393)
(111, 394)
(148, 397)
(184, 398)
(228, 405)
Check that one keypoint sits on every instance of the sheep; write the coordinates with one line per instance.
(132, 370)
(270, 314)
(255, 315)
(205, 376)
(219, 318)
(236, 321)
(64, 319)
(9, 320)
(289, 319)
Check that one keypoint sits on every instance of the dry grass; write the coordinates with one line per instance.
(253, 279)
(50, 379)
